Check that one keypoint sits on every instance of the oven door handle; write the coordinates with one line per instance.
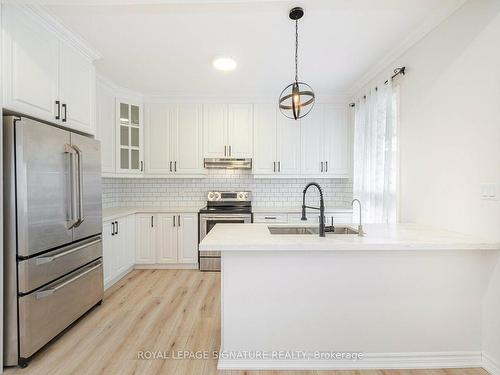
(218, 217)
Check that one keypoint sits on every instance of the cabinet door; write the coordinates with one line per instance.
(166, 238)
(188, 140)
(30, 66)
(122, 247)
(215, 131)
(76, 90)
(108, 252)
(105, 127)
(288, 141)
(187, 235)
(264, 158)
(240, 130)
(129, 241)
(160, 121)
(338, 141)
(129, 137)
(145, 239)
(312, 141)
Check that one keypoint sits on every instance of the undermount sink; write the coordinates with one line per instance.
(310, 230)
(293, 230)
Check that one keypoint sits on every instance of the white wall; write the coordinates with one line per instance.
(450, 134)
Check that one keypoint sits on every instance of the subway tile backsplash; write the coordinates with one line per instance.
(156, 192)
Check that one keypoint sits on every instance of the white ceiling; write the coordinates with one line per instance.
(166, 47)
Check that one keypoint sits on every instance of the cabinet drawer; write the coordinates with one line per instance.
(44, 313)
(270, 218)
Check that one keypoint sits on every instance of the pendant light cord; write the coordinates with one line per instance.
(296, 49)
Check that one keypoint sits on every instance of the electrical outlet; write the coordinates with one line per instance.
(489, 192)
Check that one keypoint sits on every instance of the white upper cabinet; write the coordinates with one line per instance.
(174, 140)
(105, 126)
(338, 134)
(160, 121)
(312, 142)
(188, 140)
(77, 90)
(30, 66)
(228, 131)
(240, 131)
(129, 130)
(264, 157)
(326, 140)
(288, 146)
(44, 76)
(215, 131)
(276, 144)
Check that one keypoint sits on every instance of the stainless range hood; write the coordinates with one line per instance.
(227, 163)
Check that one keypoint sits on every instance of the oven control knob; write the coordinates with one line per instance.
(210, 196)
(242, 196)
(217, 196)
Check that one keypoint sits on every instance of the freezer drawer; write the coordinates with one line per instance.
(38, 271)
(46, 312)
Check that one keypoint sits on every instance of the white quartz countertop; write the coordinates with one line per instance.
(117, 212)
(295, 209)
(256, 237)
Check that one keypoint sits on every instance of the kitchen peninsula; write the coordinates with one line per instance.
(405, 295)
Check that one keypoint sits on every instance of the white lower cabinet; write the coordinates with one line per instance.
(118, 238)
(295, 218)
(167, 238)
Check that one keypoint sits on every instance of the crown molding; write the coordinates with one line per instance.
(384, 65)
(63, 33)
(119, 90)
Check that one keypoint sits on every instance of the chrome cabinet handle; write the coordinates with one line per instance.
(58, 103)
(321, 167)
(175, 166)
(225, 150)
(274, 166)
(81, 216)
(43, 260)
(48, 292)
(170, 166)
(230, 152)
(142, 166)
(279, 166)
(270, 217)
(178, 220)
(65, 107)
(326, 164)
(152, 222)
(116, 227)
(113, 228)
(173, 219)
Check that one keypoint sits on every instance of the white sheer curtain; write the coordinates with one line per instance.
(376, 164)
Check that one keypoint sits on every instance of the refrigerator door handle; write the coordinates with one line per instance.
(81, 215)
(47, 259)
(68, 149)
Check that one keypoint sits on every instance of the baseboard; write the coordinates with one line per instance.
(117, 278)
(378, 361)
(491, 365)
(176, 266)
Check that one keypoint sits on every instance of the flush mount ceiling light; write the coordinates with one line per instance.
(297, 99)
(224, 63)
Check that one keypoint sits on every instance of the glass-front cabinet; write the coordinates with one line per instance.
(129, 148)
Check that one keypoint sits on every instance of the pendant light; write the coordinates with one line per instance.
(297, 99)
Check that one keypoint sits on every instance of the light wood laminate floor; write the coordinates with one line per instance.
(158, 310)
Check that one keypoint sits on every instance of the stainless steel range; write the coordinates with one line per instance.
(222, 207)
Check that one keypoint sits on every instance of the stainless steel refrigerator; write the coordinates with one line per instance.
(52, 233)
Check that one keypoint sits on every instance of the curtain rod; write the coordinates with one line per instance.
(397, 71)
